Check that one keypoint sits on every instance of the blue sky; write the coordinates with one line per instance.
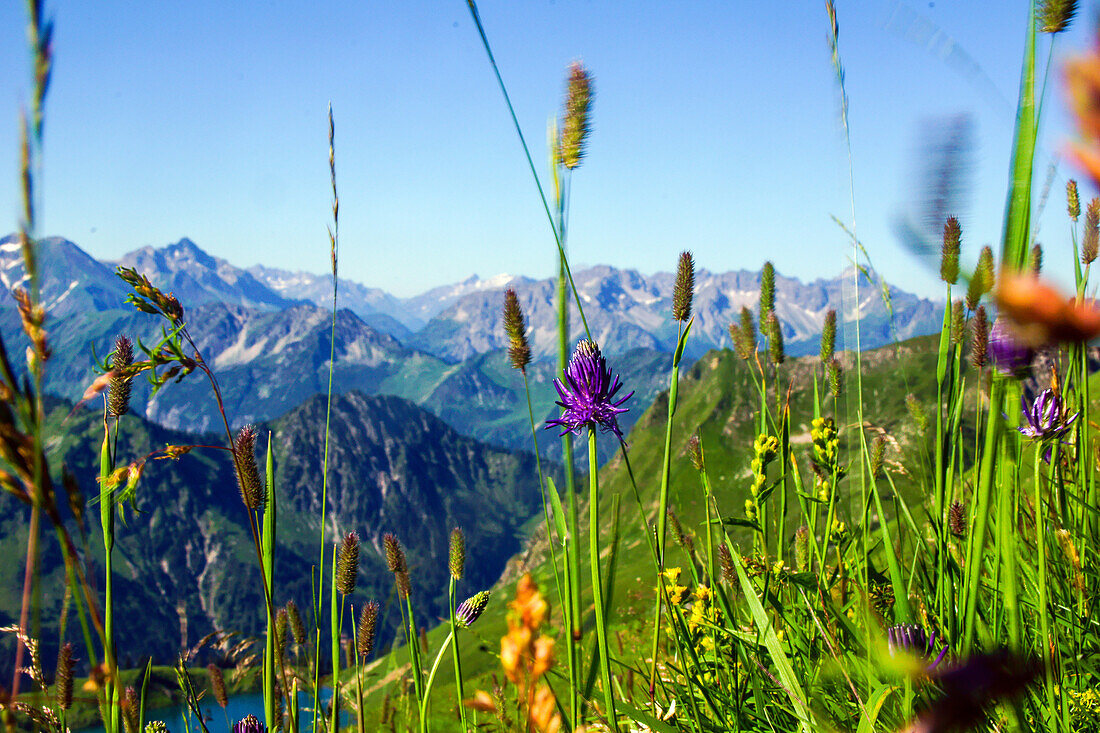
(715, 129)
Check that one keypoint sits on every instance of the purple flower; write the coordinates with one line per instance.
(249, 724)
(587, 393)
(470, 610)
(1046, 417)
(1010, 356)
(912, 639)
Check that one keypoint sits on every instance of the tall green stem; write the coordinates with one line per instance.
(597, 580)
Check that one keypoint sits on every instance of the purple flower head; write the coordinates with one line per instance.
(587, 393)
(470, 610)
(1046, 417)
(249, 724)
(912, 639)
(1010, 356)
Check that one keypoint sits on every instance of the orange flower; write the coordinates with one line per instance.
(1041, 314)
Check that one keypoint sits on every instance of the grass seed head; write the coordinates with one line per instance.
(684, 291)
(1090, 243)
(828, 336)
(217, 684)
(802, 548)
(1073, 200)
(347, 564)
(395, 555)
(767, 288)
(576, 125)
(744, 335)
(457, 553)
(118, 398)
(695, 451)
(949, 254)
(1035, 262)
(835, 373)
(297, 628)
(64, 676)
(980, 344)
(956, 518)
(1054, 16)
(252, 488)
(725, 559)
(515, 327)
(368, 625)
(958, 322)
(775, 338)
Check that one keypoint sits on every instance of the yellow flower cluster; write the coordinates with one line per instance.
(826, 442)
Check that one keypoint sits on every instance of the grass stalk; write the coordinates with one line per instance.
(597, 579)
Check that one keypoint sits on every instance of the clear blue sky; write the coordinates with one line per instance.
(716, 128)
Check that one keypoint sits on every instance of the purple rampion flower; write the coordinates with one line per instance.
(912, 639)
(470, 610)
(1009, 355)
(587, 393)
(249, 724)
(1046, 417)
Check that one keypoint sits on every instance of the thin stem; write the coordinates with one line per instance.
(597, 580)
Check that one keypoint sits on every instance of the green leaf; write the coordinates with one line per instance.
(559, 513)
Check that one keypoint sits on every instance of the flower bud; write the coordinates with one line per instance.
(471, 609)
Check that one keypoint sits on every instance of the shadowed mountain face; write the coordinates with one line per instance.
(185, 561)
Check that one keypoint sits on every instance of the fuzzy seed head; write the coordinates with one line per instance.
(368, 625)
(958, 322)
(980, 346)
(985, 268)
(282, 621)
(131, 709)
(949, 254)
(828, 336)
(297, 628)
(252, 488)
(347, 564)
(744, 335)
(118, 398)
(1073, 200)
(695, 451)
(217, 684)
(775, 338)
(835, 373)
(404, 587)
(1090, 243)
(956, 518)
(395, 556)
(916, 412)
(63, 676)
(1054, 16)
(575, 124)
(767, 288)
(725, 559)
(878, 454)
(684, 291)
(457, 553)
(515, 327)
(802, 548)
(1036, 260)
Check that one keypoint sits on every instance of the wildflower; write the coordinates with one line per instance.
(1046, 417)
(470, 610)
(949, 258)
(368, 624)
(347, 564)
(912, 639)
(249, 724)
(1041, 314)
(672, 587)
(156, 726)
(457, 553)
(1010, 356)
(684, 290)
(588, 393)
(703, 610)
